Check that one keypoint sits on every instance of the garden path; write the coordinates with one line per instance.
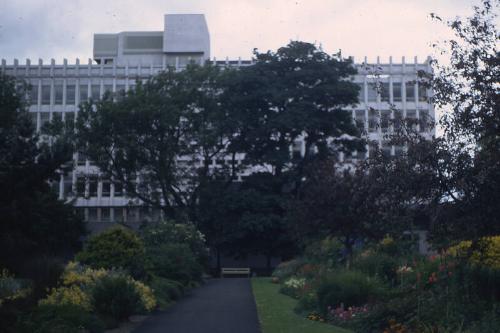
(219, 306)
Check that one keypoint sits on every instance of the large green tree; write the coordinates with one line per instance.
(33, 221)
(466, 89)
(160, 138)
(297, 93)
(288, 110)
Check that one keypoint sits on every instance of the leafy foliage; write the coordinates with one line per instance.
(166, 291)
(34, 222)
(297, 89)
(61, 318)
(175, 261)
(116, 247)
(140, 138)
(467, 88)
(116, 297)
(169, 232)
(349, 288)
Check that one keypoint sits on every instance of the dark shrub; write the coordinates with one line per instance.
(287, 268)
(381, 265)
(307, 303)
(44, 271)
(169, 232)
(175, 262)
(490, 323)
(115, 248)
(350, 288)
(327, 252)
(166, 291)
(67, 318)
(115, 297)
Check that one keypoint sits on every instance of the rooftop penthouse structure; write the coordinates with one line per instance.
(121, 59)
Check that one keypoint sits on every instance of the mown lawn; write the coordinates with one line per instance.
(276, 313)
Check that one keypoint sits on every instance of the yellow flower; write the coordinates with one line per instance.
(147, 297)
(67, 295)
(489, 256)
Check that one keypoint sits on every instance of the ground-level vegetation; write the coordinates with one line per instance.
(276, 311)
(388, 288)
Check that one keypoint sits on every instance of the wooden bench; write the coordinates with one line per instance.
(234, 271)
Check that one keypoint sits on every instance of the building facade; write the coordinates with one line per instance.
(119, 60)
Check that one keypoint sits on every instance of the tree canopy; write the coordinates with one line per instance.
(33, 220)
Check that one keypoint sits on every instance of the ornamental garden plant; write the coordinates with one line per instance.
(444, 292)
(118, 273)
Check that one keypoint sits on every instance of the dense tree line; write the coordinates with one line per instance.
(161, 138)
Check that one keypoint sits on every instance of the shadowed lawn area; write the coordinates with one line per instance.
(276, 313)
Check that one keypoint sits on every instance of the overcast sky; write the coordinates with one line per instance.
(63, 29)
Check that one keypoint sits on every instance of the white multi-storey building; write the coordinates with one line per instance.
(121, 59)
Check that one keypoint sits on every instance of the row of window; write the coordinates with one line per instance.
(92, 186)
(381, 91)
(374, 92)
(120, 214)
(73, 96)
(69, 117)
(376, 119)
(373, 120)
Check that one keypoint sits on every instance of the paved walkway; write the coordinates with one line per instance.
(219, 306)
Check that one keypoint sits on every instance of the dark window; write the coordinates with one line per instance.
(361, 155)
(118, 214)
(360, 119)
(108, 89)
(80, 186)
(384, 92)
(385, 118)
(96, 92)
(84, 93)
(422, 93)
(373, 120)
(93, 214)
(361, 92)
(56, 116)
(386, 149)
(131, 214)
(45, 95)
(106, 188)
(372, 92)
(118, 189)
(70, 94)
(411, 118)
(424, 121)
(396, 92)
(105, 214)
(93, 181)
(34, 94)
(58, 94)
(410, 91)
(397, 120)
(44, 118)
(69, 118)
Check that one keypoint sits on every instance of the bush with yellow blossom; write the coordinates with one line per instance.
(78, 281)
(487, 252)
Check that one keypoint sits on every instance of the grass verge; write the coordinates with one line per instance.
(276, 313)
